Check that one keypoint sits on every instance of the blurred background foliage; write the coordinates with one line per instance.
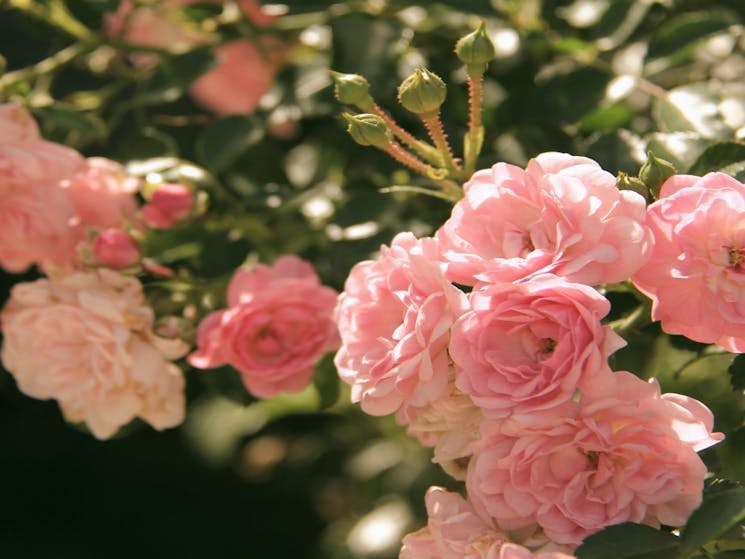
(309, 475)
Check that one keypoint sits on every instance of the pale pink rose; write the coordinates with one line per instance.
(36, 220)
(453, 531)
(526, 347)
(629, 456)
(168, 204)
(450, 425)
(696, 274)
(116, 249)
(563, 214)
(241, 77)
(394, 318)
(103, 195)
(277, 326)
(86, 340)
(515, 551)
(39, 162)
(17, 126)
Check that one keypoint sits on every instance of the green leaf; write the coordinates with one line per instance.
(628, 541)
(718, 514)
(327, 381)
(693, 108)
(603, 119)
(727, 157)
(145, 144)
(678, 39)
(220, 143)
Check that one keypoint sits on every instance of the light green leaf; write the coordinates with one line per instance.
(718, 514)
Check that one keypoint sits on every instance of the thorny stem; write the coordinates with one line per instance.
(423, 149)
(56, 14)
(398, 153)
(639, 318)
(439, 138)
(475, 129)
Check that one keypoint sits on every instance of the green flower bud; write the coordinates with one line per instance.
(352, 89)
(625, 182)
(476, 49)
(655, 172)
(422, 92)
(368, 130)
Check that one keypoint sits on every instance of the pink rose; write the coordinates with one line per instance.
(630, 456)
(168, 204)
(242, 76)
(116, 249)
(528, 346)
(36, 227)
(86, 340)
(17, 126)
(455, 531)
(394, 318)
(244, 70)
(103, 195)
(562, 214)
(696, 274)
(278, 324)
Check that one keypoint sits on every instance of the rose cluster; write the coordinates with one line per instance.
(244, 69)
(487, 340)
(85, 334)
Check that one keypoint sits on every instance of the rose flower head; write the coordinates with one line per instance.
(562, 214)
(278, 324)
(696, 273)
(86, 340)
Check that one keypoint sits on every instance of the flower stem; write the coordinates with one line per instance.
(474, 138)
(423, 149)
(439, 138)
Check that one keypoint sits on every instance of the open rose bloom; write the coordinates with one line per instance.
(86, 340)
(696, 275)
(278, 324)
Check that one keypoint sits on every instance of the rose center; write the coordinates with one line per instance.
(736, 257)
(547, 345)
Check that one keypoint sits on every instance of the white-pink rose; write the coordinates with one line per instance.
(696, 274)
(628, 456)
(450, 424)
(563, 214)
(394, 318)
(86, 340)
(526, 347)
(278, 324)
(17, 126)
(455, 531)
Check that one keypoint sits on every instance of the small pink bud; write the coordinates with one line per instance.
(116, 249)
(168, 204)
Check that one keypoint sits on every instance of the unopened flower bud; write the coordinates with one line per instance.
(422, 92)
(655, 172)
(368, 130)
(626, 182)
(168, 204)
(352, 89)
(116, 249)
(476, 50)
